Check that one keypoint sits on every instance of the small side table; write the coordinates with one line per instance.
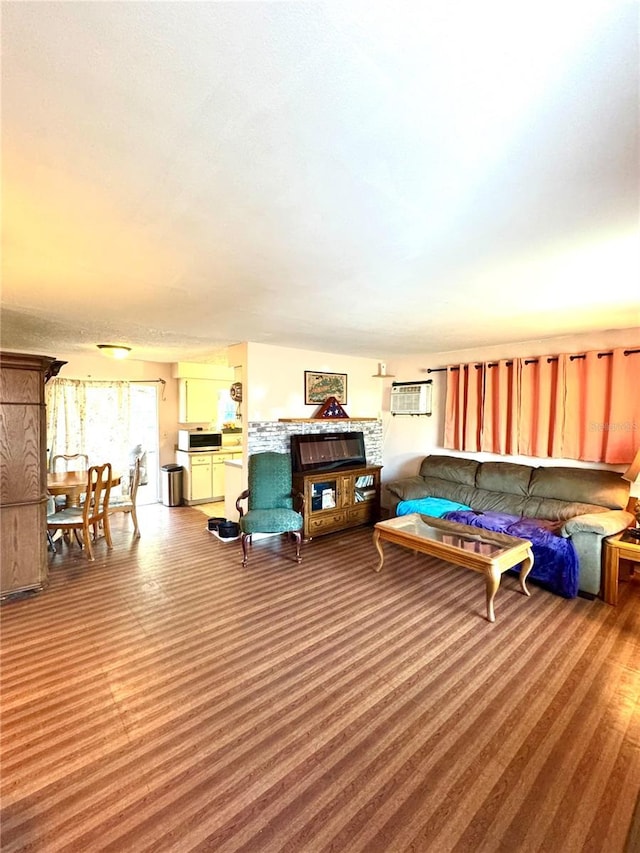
(616, 548)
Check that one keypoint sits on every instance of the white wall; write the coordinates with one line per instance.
(275, 376)
(407, 440)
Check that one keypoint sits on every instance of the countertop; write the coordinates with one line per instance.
(224, 451)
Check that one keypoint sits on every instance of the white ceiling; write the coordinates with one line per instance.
(370, 179)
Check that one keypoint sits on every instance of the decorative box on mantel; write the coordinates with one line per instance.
(322, 420)
(276, 435)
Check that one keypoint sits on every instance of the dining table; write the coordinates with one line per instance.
(72, 484)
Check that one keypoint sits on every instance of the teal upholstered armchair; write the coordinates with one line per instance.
(270, 501)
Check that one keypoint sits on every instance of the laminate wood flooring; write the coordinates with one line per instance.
(163, 698)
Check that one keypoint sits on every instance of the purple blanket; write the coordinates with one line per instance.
(555, 562)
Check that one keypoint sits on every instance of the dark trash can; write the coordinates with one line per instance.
(172, 485)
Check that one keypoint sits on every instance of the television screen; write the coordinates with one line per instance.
(327, 451)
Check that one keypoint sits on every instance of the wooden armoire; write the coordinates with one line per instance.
(23, 472)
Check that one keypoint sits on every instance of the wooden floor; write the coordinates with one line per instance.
(164, 698)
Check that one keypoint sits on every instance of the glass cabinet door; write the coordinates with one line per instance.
(364, 488)
(323, 495)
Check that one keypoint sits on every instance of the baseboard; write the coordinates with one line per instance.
(588, 595)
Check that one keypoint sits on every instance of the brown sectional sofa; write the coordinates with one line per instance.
(588, 503)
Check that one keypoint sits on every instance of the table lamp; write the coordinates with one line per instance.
(632, 475)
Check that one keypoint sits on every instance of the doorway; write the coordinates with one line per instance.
(114, 421)
(144, 435)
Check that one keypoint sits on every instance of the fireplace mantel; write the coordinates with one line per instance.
(322, 420)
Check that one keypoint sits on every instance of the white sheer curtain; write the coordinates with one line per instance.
(92, 418)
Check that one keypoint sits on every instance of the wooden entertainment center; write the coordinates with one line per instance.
(337, 496)
(339, 500)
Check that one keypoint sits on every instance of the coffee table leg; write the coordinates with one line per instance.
(493, 576)
(378, 544)
(527, 565)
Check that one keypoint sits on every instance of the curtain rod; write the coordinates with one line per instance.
(530, 361)
(163, 382)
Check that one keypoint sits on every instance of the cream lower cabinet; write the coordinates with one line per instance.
(203, 475)
(217, 476)
(200, 479)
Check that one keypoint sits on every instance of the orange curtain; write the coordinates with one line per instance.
(623, 436)
(541, 406)
(452, 430)
(463, 405)
(500, 409)
(584, 406)
(602, 411)
(473, 419)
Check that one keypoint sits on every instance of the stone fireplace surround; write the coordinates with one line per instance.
(276, 435)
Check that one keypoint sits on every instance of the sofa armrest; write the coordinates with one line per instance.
(601, 523)
(408, 489)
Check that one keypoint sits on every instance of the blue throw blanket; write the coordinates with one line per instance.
(555, 561)
(435, 507)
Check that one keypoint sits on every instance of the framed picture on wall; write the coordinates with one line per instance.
(318, 386)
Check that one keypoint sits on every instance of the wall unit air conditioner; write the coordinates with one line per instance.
(411, 398)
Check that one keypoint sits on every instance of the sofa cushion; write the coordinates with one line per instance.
(409, 488)
(581, 486)
(506, 477)
(559, 510)
(483, 499)
(451, 468)
(433, 487)
(599, 523)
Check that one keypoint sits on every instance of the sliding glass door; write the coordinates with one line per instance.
(110, 422)
(143, 430)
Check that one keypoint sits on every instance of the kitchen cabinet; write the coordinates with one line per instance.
(338, 500)
(23, 473)
(203, 479)
(198, 401)
(217, 476)
(199, 487)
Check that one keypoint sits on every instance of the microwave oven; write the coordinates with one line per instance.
(194, 440)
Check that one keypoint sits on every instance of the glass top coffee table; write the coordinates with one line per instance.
(482, 551)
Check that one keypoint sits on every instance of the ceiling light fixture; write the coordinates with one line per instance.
(114, 350)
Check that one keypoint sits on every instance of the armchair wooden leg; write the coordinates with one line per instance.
(298, 537)
(243, 540)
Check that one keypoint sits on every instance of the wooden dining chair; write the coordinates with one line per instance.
(51, 509)
(93, 515)
(68, 462)
(127, 503)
